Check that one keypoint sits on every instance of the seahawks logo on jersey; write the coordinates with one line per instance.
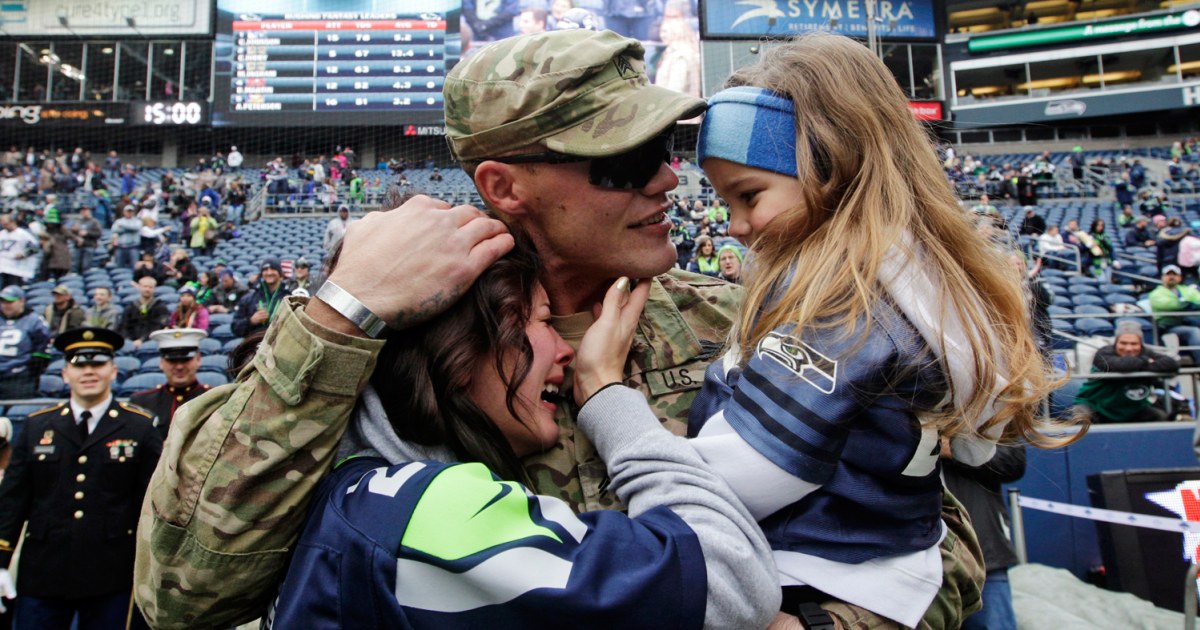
(800, 359)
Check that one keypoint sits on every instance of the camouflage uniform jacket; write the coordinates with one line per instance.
(215, 531)
(231, 491)
(681, 331)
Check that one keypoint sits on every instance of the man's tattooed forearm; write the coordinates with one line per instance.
(428, 308)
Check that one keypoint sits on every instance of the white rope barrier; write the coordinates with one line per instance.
(1162, 523)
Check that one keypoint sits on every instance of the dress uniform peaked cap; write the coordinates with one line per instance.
(89, 345)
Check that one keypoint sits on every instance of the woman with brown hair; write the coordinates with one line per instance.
(705, 261)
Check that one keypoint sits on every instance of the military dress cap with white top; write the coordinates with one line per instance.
(178, 343)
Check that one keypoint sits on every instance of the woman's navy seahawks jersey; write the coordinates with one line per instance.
(434, 545)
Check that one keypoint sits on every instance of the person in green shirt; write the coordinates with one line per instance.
(1172, 297)
(357, 189)
(1127, 217)
(1125, 400)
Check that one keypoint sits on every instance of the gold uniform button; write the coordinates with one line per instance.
(121, 458)
(179, 398)
(83, 459)
(78, 514)
(42, 458)
(78, 496)
(80, 477)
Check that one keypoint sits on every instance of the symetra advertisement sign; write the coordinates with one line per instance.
(896, 19)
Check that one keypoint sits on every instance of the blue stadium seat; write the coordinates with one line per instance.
(1085, 298)
(1120, 298)
(1084, 288)
(21, 411)
(214, 363)
(1091, 309)
(231, 345)
(1064, 325)
(148, 350)
(126, 365)
(212, 379)
(147, 366)
(222, 333)
(139, 382)
(52, 385)
(1092, 326)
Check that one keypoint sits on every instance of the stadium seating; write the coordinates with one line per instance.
(139, 382)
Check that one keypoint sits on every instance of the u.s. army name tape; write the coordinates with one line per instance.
(1163, 523)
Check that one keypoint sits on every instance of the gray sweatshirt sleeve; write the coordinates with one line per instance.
(650, 467)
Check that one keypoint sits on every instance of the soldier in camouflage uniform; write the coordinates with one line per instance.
(552, 102)
(242, 461)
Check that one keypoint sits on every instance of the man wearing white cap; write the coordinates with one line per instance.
(178, 358)
(1172, 296)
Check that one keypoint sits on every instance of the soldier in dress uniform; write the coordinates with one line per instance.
(77, 476)
(178, 358)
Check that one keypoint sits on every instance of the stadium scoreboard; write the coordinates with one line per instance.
(334, 69)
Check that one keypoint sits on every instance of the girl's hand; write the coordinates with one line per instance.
(604, 349)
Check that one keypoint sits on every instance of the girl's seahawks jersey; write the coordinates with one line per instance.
(435, 545)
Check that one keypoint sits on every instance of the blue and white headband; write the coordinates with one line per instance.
(750, 126)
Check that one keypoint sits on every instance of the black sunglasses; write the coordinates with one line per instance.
(630, 170)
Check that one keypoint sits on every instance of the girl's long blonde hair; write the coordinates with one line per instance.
(870, 175)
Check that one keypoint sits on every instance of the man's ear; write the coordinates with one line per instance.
(502, 187)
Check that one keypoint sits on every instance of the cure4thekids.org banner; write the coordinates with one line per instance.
(896, 19)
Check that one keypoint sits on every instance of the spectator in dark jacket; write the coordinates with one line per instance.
(228, 293)
(1139, 235)
(1126, 192)
(1125, 400)
(255, 310)
(149, 267)
(85, 232)
(144, 315)
(63, 313)
(979, 491)
(1032, 224)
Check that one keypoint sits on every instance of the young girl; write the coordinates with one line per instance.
(878, 325)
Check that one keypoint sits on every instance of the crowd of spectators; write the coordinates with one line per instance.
(164, 228)
(1020, 181)
(157, 228)
(1150, 222)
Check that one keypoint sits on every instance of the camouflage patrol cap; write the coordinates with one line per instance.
(576, 92)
